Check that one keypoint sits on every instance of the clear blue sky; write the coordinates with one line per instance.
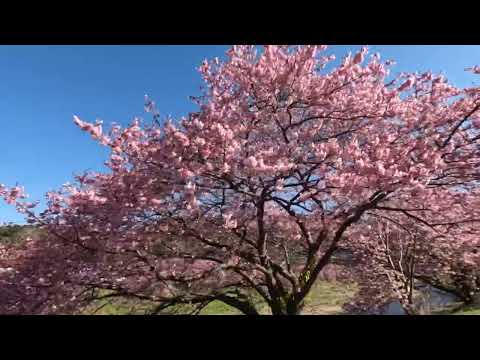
(42, 87)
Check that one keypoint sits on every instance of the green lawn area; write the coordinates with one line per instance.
(325, 298)
(468, 311)
(117, 306)
(219, 308)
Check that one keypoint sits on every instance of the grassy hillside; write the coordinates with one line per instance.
(15, 233)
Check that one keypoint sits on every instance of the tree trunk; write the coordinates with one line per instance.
(291, 308)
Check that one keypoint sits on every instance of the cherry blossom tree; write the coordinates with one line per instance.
(401, 261)
(284, 162)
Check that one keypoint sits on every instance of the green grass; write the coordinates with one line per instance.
(219, 308)
(325, 298)
(117, 307)
(468, 311)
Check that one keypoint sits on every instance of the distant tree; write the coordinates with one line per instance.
(397, 260)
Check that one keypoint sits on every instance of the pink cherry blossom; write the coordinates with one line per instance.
(282, 165)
